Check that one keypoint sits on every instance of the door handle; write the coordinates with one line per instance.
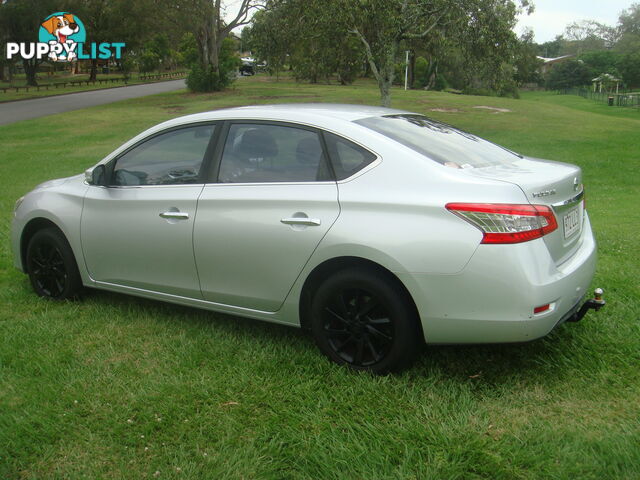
(312, 222)
(175, 215)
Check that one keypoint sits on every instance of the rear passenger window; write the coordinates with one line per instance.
(260, 153)
(347, 157)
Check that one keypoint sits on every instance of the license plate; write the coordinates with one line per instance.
(571, 223)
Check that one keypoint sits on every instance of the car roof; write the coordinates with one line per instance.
(293, 112)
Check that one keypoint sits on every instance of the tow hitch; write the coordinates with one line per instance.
(596, 303)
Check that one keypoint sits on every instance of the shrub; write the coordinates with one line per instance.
(148, 62)
(203, 78)
(440, 83)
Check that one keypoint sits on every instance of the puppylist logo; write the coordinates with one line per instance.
(62, 38)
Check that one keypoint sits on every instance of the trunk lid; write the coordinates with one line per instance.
(557, 185)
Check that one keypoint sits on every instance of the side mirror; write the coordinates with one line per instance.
(96, 175)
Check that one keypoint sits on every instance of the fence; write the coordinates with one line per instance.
(75, 83)
(625, 99)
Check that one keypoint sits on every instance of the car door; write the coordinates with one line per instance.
(138, 230)
(273, 200)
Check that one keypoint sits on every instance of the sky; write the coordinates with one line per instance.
(551, 17)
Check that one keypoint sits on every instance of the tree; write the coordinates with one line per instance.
(206, 18)
(204, 79)
(271, 37)
(551, 49)
(629, 68)
(591, 35)
(526, 62)
(570, 73)
(188, 50)
(482, 26)
(629, 20)
(629, 30)
(314, 43)
(20, 21)
(104, 22)
(602, 61)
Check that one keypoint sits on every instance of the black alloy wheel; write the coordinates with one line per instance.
(358, 327)
(51, 266)
(362, 319)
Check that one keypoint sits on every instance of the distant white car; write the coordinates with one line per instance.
(376, 229)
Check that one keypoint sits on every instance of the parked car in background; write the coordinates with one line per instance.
(375, 229)
(248, 66)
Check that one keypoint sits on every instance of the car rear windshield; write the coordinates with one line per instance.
(440, 142)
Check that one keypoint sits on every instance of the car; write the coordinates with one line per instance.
(247, 66)
(377, 230)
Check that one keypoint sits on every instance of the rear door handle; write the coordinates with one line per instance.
(175, 215)
(312, 222)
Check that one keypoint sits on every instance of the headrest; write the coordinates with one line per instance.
(256, 143)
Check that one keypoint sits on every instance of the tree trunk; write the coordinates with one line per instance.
(2, 77)
(385, 93)
(30, 70)
(384, 72)
(94, 70)
(412, 68)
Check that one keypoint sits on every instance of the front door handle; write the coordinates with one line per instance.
(175, 215)
(312, 222)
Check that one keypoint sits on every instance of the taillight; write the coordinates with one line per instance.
(507, 223)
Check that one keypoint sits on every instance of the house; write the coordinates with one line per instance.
(549, 63)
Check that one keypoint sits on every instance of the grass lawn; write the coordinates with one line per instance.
(119, 387)
(43, 79)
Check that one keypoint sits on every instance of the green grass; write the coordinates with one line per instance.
(43, 80)
(118, 387)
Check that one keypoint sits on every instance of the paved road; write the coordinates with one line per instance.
(11, 112)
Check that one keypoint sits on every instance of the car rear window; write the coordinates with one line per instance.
(438, 141)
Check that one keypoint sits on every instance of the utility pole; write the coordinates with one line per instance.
(406, 70)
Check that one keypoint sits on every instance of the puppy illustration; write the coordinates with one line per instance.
(61, 26)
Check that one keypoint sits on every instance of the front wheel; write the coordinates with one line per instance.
(51, 266)
(362, 319)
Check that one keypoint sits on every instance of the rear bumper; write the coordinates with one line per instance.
(493, 298)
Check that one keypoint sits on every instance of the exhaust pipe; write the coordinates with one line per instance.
(595, 303)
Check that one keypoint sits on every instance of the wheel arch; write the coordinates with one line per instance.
(333, 265)
(30, 229)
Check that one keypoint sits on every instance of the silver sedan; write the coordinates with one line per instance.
(377, 230)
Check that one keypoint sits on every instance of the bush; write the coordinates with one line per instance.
(126, 65)
(203, 78)
(421, 73)
(440, 83)
(148, 62)
(188, 50)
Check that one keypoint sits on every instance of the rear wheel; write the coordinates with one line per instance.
(362, 319)
(51, 266)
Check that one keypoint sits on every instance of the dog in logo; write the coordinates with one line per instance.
(61, 26)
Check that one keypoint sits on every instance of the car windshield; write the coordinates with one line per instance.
(438, 141)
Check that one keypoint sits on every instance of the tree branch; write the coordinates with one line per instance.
(424, 33)
(368, 51)
(242, 17)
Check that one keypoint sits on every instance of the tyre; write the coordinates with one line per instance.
(52, 267)
(362, 319)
